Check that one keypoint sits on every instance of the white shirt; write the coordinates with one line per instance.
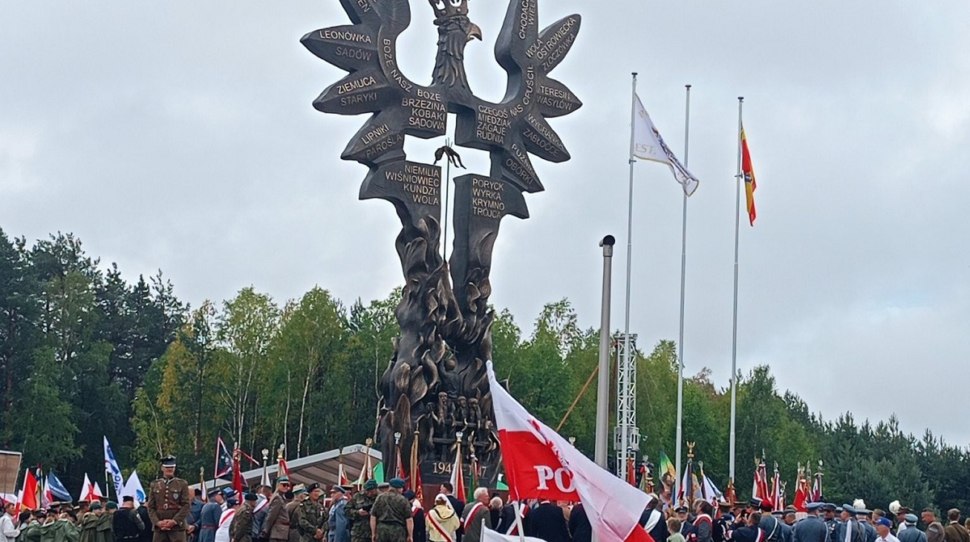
(222, 533)
(8, 533)
(889, 538)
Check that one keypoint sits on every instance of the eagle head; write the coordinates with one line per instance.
(449, 9)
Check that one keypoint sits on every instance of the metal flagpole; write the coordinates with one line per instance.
(683, 284)
(624, 430)
(734, 330)
(445, 210)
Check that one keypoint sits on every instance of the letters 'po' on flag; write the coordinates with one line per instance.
(648, 144)
(540, 463)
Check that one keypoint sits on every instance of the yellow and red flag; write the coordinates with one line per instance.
(750, 184)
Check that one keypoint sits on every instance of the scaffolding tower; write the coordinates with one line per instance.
(626, 438)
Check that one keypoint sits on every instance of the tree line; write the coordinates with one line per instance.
(86, 353)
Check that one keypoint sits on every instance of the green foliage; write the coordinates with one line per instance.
(86, 353)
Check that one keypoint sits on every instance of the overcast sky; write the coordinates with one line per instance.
(179, 135)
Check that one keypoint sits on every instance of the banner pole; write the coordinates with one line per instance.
(683, 285)
(734, 329)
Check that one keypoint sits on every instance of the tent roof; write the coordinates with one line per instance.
(317, 468)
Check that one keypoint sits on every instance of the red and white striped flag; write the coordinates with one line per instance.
(541, 464)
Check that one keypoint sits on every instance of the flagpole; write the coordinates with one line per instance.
(683, 285)
(734, 329)
(624, 430)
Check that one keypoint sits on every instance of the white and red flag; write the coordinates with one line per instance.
(541, 464)
(760, 489)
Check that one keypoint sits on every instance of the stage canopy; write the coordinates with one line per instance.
(320, 468)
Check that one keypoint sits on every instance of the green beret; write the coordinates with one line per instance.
(397, 483)
(370, 484)
(111, 505)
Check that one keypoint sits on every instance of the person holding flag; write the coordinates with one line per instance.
(540, 463)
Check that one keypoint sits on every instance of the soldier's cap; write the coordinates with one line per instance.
(383, 485)
(680, 509)
(812, 506)
(283, 480)
(848, 508)
(863, 512)
(228, 492)
(885, 522)
(724, 505)
(95, 506)
(111, 505)
(409, 494)
(127, 498)
(337, 489)
(778, 513)
(232, 501)
(312, 487)
(370, 484)
(40, 512)
(251, 497)
(911, 518)
(213, 492)
(829, 507)
(755, 502)
(839, 509)
(397, 483)
(299, 489)
(168, 461)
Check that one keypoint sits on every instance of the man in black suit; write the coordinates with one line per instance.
(548, 522)
(579, 526)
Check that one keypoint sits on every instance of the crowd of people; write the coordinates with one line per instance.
(387, 513)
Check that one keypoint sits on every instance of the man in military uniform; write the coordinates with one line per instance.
(276, 526)
(313, 517)
(168, 504)
(241, 528)
(358, 512)
(811, 528)
(390, 518)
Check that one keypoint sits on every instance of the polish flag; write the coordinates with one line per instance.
(540, 464)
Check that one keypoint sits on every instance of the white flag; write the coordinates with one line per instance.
(133, 488)
(112, 468)
(649, 145)
(489, 535)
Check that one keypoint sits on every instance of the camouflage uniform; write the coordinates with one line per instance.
(392, 512)
(241, 528)
(312, 517)
(360, 530)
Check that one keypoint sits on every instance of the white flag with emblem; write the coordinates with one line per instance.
(648, 144)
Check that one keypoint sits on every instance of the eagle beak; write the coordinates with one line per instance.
(474, 32)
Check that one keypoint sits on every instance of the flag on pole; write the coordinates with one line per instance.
(29, 494)
(415, 479)
(56, 492)
(342, 478)
(750, 184)
(667, 467)
(540, 463)
(760, 488)
(238, 482)
(817, 487)
(775, 495)
(457, 477)
(224, 460)
(399, 464)
(42, 496)
(801, 491)
(282, 469)
(133, 488)
(489, 535)
(112, 468)
(649, 145)
(89, 492)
